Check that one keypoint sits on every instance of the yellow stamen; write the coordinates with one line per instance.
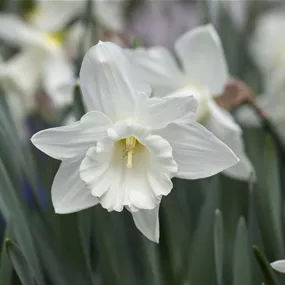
(130, 146)
(130, 159)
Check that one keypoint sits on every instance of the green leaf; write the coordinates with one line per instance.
(242, 261)
(265, 267)
(254, 231)
(60, 254)
(115, 261)
(19, 262)
(267, 195)
(14, 154)
(18, 218)
(201, 264)
(219, 245)
(6, 268)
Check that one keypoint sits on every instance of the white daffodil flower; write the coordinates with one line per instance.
(42, 60)
(126, 149)
(203, 74)
(278, 265)
(50, 15)
(267, 47)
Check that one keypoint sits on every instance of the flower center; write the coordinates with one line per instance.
(54, 39)
(129, 167)
(130, 150)
(203, 96)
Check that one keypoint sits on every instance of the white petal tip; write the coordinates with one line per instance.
(59, 210)
(279, 266)
(33, 140)
(154, 239)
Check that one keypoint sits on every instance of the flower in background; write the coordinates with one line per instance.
(41, 61)
(203, 74)
(278, 265)
(267, 47)
(126, 149)
(50, 15)
(54, 16)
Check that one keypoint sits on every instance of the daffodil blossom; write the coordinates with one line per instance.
(267, 47)
(127, 147)
(203, 74)
(278, 265)
(54, 15)
(41, 60)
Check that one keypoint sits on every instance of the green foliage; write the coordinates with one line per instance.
(19, 262)
(219, 245)
(269, 277)
(199, 244)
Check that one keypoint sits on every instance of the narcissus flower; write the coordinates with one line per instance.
(267, 47)
(54, 15)
(42, 60)
(204, 74)
(126, 149)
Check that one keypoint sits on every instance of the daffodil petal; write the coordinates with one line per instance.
(110, 13)
(201, 54)
(158, 113)
(69, 193)
(266, 44)
(21, 73)
(147, 221)
(197, 151)
(247, 117)
(73, 140)
(278, 265)
(158, 67)
(54, 15)
(16, 32)
(73, 38)
(222, 125)
(109, 81)
(58, 79)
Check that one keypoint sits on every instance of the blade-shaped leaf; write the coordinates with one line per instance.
(202, 250)
(6, 268)
(19, 262)
(242, 266)
(219, 245)
(265, 267)
(16, 216)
